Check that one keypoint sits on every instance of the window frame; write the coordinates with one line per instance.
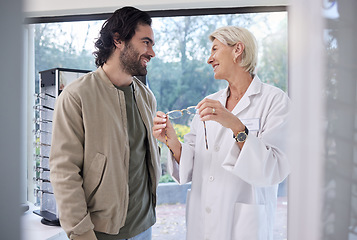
(160, 13)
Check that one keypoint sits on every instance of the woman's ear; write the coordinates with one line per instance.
(238, 51)
(239, 48)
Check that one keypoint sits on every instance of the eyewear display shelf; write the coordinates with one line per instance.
(52, 82)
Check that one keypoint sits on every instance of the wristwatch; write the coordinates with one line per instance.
(241, 136)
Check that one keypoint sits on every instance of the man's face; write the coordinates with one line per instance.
(138, 51)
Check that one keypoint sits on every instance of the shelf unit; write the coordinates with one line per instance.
(52, 82)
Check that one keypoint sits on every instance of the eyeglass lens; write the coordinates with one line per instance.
(179, 113)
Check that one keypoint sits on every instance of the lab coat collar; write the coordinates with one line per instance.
(253, 89)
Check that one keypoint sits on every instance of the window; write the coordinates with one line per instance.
(179, 75)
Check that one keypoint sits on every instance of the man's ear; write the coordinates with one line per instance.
(117, 42)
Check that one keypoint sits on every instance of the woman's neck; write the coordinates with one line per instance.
(239, 85)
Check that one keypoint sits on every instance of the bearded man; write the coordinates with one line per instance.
(104, 159)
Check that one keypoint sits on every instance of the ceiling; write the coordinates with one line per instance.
(46, 8)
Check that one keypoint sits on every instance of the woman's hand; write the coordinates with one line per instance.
(164, 131)
(212, 110)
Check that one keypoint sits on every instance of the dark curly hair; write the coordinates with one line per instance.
(124, 21)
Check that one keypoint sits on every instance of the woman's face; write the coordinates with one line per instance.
(221, 60)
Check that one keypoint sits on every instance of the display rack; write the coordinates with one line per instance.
(52, 82)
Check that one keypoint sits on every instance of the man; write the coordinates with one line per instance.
(104, 160)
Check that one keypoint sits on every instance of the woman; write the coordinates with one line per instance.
(235, 181)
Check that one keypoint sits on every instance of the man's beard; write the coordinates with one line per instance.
(131, 62)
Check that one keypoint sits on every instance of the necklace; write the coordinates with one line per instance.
(234, 97)
(229, 95)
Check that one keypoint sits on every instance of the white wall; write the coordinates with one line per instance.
(322, 189)
(11, 118)
(306, 69)
(41, 8)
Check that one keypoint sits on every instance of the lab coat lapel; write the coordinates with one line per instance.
(218, 130)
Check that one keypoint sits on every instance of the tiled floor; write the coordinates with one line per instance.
(170, 223)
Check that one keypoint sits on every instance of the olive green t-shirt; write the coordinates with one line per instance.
(141, 212)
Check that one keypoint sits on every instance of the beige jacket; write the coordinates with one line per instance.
(89, 158)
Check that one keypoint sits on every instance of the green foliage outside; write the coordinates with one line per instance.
(166, 178)
(181, 130)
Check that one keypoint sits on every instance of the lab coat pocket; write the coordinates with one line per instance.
(93, 177)
(249, 222)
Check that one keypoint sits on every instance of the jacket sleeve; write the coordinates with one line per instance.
(262, 161)
(66, 162)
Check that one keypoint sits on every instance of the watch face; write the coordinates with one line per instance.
(241, 136)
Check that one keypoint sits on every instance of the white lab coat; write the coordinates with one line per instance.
(234, 192)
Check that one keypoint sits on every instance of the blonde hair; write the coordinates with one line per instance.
(231, 35)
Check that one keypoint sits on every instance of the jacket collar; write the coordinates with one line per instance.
(100, 72)
(253, 89)
(102, 76)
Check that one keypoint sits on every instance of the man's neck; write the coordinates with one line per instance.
(116, 75)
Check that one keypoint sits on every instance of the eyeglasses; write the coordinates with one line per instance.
(40, 180)
(39, 107)
(40, 192)
(39, 132)
(41, 120)
(38, 144)
(44, 96)
(175, 114)
(40, 169)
